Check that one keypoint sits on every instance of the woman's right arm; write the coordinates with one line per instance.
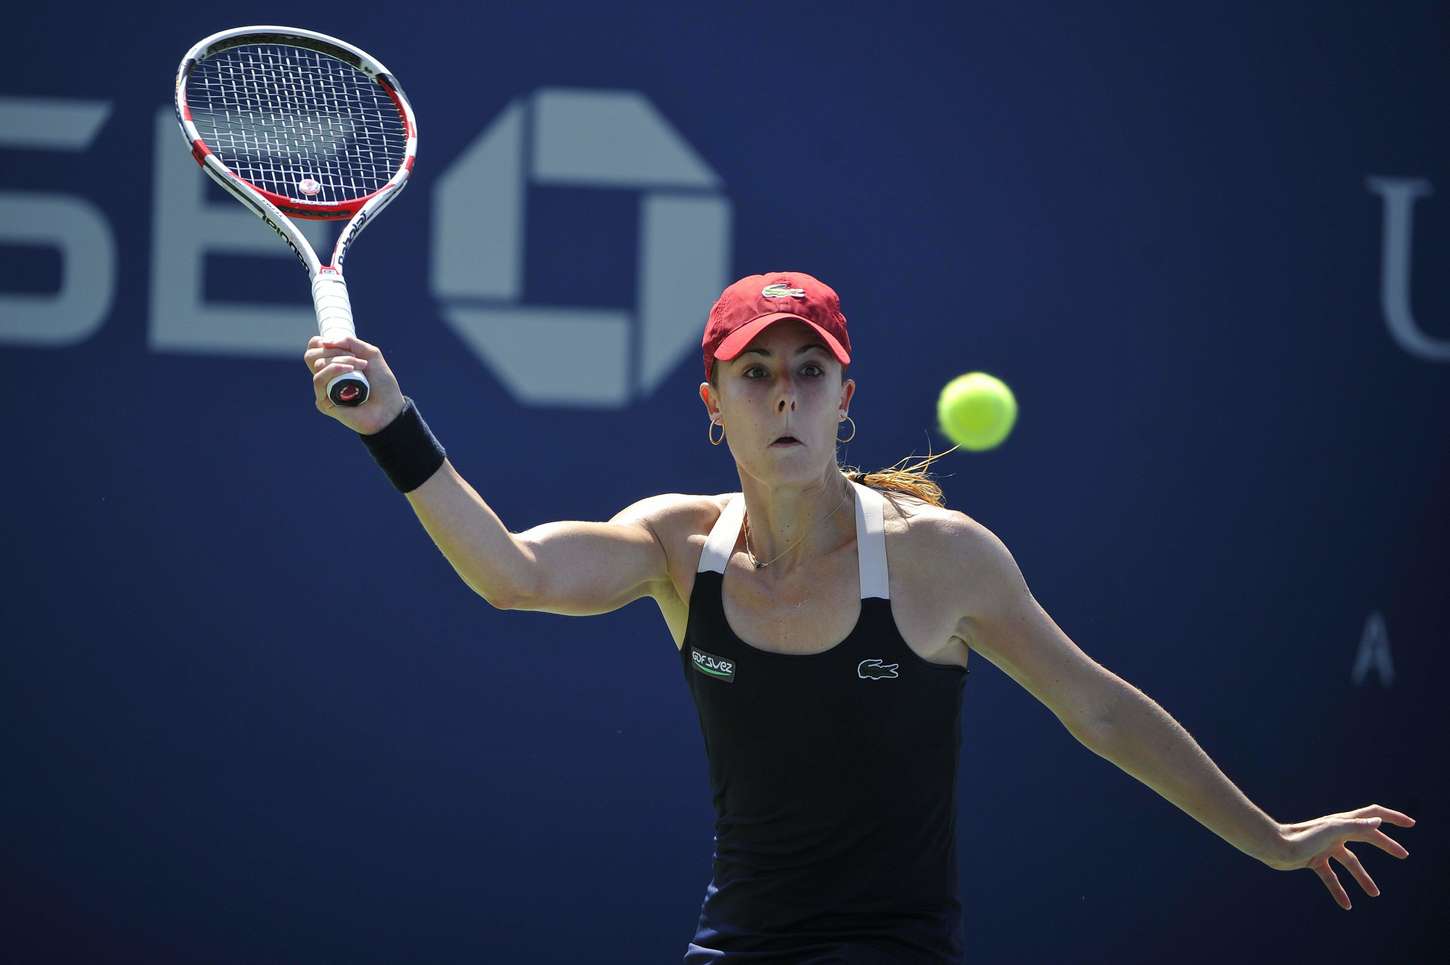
(576, 568)
(573, 567)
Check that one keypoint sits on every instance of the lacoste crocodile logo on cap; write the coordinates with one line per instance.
(876, 670)
(713, 666)
(780, 290)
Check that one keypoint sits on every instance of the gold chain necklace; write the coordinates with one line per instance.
(759, 565)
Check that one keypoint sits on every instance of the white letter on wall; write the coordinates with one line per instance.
(73, 225)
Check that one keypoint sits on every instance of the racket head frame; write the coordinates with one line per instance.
(277, 210)
(329, 290)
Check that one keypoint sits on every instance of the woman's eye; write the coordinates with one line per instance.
(815, 370)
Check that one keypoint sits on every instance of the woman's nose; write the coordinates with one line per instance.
(786, 386)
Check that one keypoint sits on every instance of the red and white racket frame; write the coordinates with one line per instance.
(329, 290)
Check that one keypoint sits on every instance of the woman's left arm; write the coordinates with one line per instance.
(1003, 621)
(1143, 740)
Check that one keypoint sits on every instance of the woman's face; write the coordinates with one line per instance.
(785, 382)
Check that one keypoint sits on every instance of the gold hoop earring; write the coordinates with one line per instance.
(842, 442)
(710, 432)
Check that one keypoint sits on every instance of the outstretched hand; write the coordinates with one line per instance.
(1310, 844)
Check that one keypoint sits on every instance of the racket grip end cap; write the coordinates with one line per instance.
(349, 389)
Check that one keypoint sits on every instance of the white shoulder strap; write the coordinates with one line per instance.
(721, 540)
(871, 542)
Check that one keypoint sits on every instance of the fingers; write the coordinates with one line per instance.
(1371, 818)
(321, 353)
(1326, 838)
(355, 362)
(349, 343)
(1331, 881)
(335, 367)
(1346, 857)
(1389, 814)
(1387, 844)
(1360, 829)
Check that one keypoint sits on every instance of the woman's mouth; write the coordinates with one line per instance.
(786, 441)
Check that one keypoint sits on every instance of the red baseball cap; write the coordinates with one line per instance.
(749, 305)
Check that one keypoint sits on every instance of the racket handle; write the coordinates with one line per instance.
(334, 321)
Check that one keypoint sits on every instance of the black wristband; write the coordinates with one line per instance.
(406, 449)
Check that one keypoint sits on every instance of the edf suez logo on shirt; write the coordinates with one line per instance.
(713, 666)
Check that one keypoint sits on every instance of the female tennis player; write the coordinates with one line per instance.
(824, 618)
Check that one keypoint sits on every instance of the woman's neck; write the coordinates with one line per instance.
(785, 526)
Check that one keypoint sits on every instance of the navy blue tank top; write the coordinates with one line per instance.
(834, 780)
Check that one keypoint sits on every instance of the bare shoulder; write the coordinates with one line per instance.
(929, 522)
(945, 549)
(925, 528)
(680, 523)
(672, 516)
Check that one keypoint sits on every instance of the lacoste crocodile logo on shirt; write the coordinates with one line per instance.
(876, 670)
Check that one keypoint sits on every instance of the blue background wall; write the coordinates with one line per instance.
(1228, 483)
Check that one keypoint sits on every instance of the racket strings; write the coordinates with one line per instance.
(297, 122)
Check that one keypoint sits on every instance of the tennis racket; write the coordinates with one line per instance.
(297, 124)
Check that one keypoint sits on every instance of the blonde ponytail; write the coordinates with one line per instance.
(912, 481)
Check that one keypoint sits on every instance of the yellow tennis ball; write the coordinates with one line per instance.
(976, 411)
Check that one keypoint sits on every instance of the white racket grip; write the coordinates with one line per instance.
(334, 321)
(334, 310)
